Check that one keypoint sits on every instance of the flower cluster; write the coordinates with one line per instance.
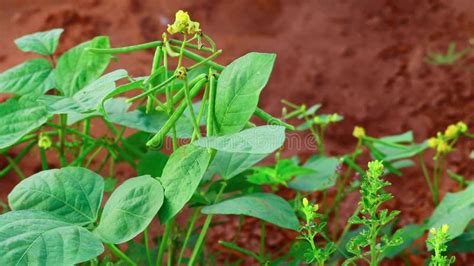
(183, 24)
(443, 142)
(437, 241)
(327, 119)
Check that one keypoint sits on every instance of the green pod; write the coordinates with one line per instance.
(157, 140)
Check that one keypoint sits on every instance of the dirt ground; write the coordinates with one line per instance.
(364, 59)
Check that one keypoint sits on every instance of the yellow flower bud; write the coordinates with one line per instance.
(358, 132)
(444, 228)
(433, 142)
(315, 207)
(44, 142)
(183, 24)
(451, 132)
(433, 231)
(462, 127)
(443, 147)
(305, 202)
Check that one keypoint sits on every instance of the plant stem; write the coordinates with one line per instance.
(18, 158)
(205, 227)
(128, 49)
(194, 218)
(262, 239)
(198, 58)
(44, 160)
(271, 120)
(120, 254)
(164, 242)
(15, 167)
(146, 242)
(426, 175)
(62, 139)
(189, 102)
(243, 251)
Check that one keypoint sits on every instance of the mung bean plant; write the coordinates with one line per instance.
(199, 146)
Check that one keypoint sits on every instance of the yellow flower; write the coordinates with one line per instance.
(305, 202)
(451, 132)
(433, 142)
(443, 147)
(358, 132)
(433, 231)
(44, 142)
(315, 207)
(444, 228)
(462, 127)
(183, 24)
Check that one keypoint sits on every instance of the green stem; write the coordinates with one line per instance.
(120, 254)
(169, 100)
(262, 239)
(214, 55)
(127, 49)
(426, 175)
(242, 250)
(164, 242)
(62, 139)
(44, 160)
(18, 171)
(189, 102)
(205, 227)
(198, 58)
(18, 158)
(146, 242)
(269, 119)
(194, 218)
(89, 161)
(190, 45)
(159, 137)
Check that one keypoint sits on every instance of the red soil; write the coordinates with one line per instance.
(363, 59)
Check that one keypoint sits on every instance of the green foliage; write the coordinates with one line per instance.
(322, 176)
(365, 246)
(39, 238)
(280, 174)
(265, 206)
(437, 241)
(72, 193)
(238, 90)
(33, 77)
(130, 209)
(43, 43)
(181, 177)
(456, 210)
(78, 67)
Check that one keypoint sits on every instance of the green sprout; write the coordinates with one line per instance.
(368, 245)
(436, 241)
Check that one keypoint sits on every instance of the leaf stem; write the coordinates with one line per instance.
(164, 242)
(120, 254)
(192, 222)
(127, 49)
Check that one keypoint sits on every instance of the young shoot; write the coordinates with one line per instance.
(436, 242)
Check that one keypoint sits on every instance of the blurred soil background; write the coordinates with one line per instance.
(363, 59)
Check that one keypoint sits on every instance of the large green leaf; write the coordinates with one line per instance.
(152, 163)
(73, 193)
(463, 243)
(229, 164)
(43, 43)
(86, 99)
(455, 210)
(40, 238)
(181, 177)
(130, 209)
(409, 233)
(32, 77)
(324, 175)
(18, 118)
(238, 90)
(78, 67)
(265, 206)
(257, 140)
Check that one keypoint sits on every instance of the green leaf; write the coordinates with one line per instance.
(86, 99)
(78, 67)
(130, 209)
(265, 206)
(463, 243)
(456, 210)
(409, 233)
(238, 90)
(40, 238)
(43, 43)
(19, 117)
(152, 163)
(240, 151)
(33, 77)
(324, 175)
(72, 193)
(257, 140)
(181, 177)
(229, 164)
